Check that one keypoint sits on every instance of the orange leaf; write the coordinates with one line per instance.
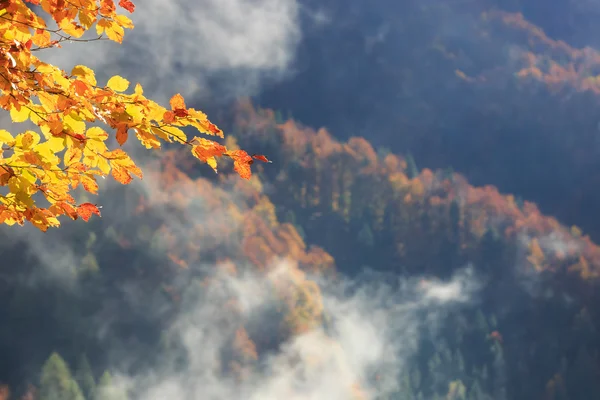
(212, 128)
(121, 175)
(86, 210)
(262, 158)
(128, 5)
(64, 208)
(80, 87)
(205, 149)
(107, 7)
(177, 102)
(169, 117)
(122, 134)
(89, 184)
(241, 163)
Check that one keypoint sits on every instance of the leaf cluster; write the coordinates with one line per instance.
(73, 112)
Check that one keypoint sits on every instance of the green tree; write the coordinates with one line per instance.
(412, 169)
(57, 382)
(84, 376)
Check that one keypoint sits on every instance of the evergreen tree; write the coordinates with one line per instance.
(365, 236)
(57, 382)
(85, 377)
(412, 169)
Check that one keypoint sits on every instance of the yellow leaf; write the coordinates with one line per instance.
(135, 112)
(155, 111)
(20, 115)
(101, 26)
(124, 21)
(96, 133)
(45, 68)
(96, 146)
(21, 187)
(35, 118)
(41, 38)
(70, 28)
(46, 153)
(161, 134)
(212, 162)
(176, 133)
(27, 139)
(118, 83)
(6, 137)
(85, 73)
(112, 29)
(47, 100)
(103, 165)
(76, 126)
(90, 160)
(72, 155)
(147, 139)
(29, 177)
(56, 144)
(87, 19)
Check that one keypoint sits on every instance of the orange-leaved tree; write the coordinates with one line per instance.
(39, 171)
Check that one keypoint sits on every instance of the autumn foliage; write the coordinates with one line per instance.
(40, 170)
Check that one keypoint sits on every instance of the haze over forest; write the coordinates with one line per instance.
(428, 228)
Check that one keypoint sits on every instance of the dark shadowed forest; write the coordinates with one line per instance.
(427, 230)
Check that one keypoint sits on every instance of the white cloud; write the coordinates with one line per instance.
(458, 289)
(181, 45)
(374, 330)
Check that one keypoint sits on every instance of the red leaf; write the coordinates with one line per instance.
(79, 137)
(262, 158)
(181, 112)
(128, 5)
(86, 210)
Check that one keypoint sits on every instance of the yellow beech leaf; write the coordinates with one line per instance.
(72, 155)
(27, 139)
(6, 137)
(103, 165)
(85, 73)
(76, 125)
(96, 133)
(19, 115)
(118, 83)
(124, 21)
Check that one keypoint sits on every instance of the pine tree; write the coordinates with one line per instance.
(85, 377)
(365, 236)
(412, 169)
(57, 382)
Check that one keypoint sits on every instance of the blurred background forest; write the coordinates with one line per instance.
(428, 228)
